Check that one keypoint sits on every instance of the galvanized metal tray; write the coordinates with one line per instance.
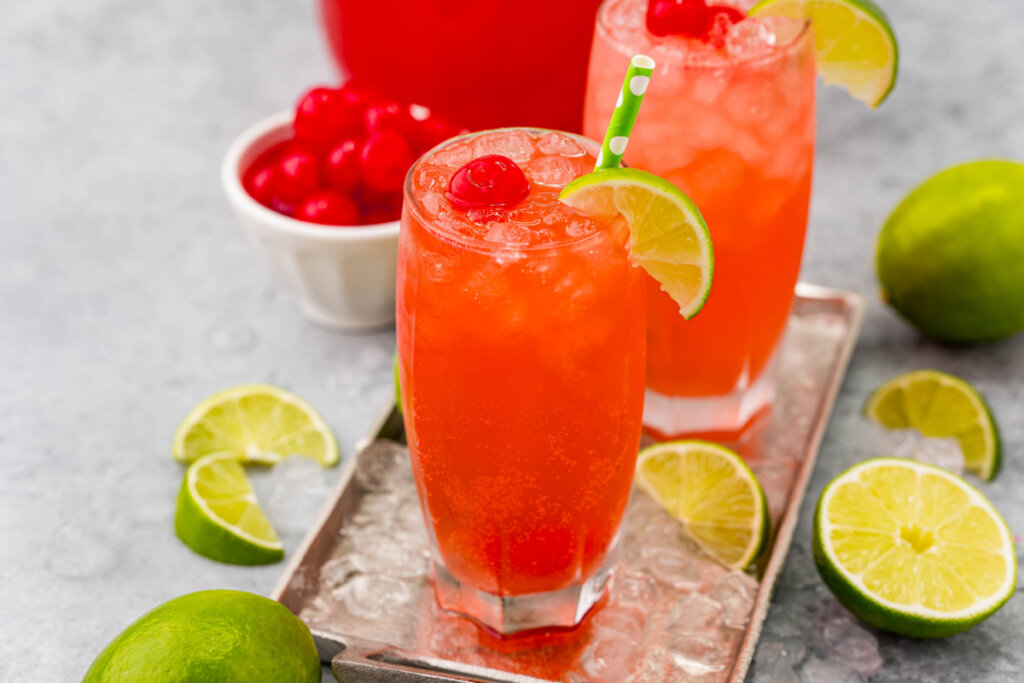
(360, 579)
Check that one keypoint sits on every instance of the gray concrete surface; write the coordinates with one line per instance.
(127, 294)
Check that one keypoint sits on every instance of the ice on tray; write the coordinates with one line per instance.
(674, 614)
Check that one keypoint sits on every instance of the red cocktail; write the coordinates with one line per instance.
(729, 119)
(521, 345)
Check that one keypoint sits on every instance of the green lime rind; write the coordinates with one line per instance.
(398, 387)
(887, 407)
(764, 535)
(766, 532)
(761, 537)
(949, 255)
(666, 249)
(882, 20)
(825, 42)
(206, 533)
(870, 608)
(876, 13)
(218, 635)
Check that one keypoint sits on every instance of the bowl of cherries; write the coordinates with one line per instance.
(319, 192)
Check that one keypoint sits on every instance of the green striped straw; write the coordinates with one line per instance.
(638, 76)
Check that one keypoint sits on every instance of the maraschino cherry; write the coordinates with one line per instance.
(341, 167)
(491, 180)
(384, 159)
(326, 115)
(691, 18)
(348, 159)
(261, 183)
(328, 208)
(297, 173)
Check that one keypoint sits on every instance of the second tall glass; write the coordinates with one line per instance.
(732, 125)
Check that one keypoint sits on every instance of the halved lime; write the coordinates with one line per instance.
(667, 234)
(855, 45)
(255, 423)
(712, 491)
(938, 404)
(218, 515)
(912, 549)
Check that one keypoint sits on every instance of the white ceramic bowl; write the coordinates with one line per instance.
(342, 278)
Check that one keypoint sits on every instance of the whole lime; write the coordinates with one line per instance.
(951, 256)
(218, 635)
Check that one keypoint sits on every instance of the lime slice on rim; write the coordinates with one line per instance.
(854, 43)
(712, 491)
(255, 423)
(667, 235)
(940, 405)
(219, 517)
(912, 549)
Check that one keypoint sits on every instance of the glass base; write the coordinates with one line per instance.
(506, 615)
(724, 417)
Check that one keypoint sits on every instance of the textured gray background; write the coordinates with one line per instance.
(127, 295)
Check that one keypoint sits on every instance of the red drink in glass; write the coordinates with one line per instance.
(732, 125)
(483, 64)
(521, 345)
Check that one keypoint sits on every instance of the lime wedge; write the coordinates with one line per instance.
(854, 43)
(713, 493)
(940, 405)
(667, 235)
(912, 549)
(219, 517)
(255, 423)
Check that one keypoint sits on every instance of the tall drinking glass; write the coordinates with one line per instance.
(521, 348)
(484, 64)
(732, 125)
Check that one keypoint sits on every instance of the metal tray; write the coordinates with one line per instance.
(360, 579)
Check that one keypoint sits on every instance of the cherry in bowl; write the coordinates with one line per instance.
(347, 159)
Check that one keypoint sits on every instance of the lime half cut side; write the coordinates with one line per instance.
(854, 43)
(912, 549)
(667, 234)
(219, 517)
(713, 493)
(938, 405)
(255, 423)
